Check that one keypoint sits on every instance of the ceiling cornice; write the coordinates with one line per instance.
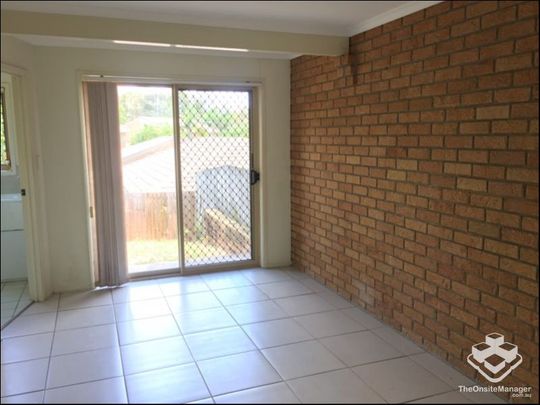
(391, 15)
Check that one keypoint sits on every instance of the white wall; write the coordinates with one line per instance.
(58, 73)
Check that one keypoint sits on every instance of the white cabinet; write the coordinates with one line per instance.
(13, 257)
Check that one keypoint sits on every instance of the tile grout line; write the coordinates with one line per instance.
(192, 361)
(73, 384)
(119, 347)
(14, 314)
(24, 393)
(50, 352)
(189, 349)
(19, 300)
(430, 396)
(258, 386)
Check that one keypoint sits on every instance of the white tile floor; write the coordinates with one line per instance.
(14, 299)
(246, 336)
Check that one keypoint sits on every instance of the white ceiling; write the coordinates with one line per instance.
(342, 18)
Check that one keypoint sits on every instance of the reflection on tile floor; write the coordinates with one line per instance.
(247, 336)
(14, 299)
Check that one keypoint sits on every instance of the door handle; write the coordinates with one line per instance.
(254, 177)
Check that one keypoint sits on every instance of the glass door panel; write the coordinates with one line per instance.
(149, 177)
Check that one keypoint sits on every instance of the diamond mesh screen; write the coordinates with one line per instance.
(215, 159)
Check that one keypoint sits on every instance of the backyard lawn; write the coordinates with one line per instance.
(166, 251)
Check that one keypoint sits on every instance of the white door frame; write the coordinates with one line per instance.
(28, 157)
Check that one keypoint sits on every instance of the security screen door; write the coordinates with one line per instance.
(215, 176)
(187, 178)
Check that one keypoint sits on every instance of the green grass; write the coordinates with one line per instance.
(150, 132)
(163, 251)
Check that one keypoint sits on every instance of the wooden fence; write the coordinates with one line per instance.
(152, 216)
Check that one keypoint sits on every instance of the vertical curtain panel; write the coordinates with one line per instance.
(103, 131)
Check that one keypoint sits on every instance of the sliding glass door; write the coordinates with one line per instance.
(187, 177)
(215, 156)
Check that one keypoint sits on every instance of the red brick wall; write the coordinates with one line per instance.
(415, 175)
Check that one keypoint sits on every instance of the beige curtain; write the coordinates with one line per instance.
(103, 131)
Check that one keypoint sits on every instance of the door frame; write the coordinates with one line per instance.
(28, 147)
(254, 88)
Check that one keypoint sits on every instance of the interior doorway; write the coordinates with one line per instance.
(15, 295)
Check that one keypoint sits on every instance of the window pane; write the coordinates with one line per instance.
(4, 147)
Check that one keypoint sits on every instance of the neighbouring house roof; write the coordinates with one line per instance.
(149, 167)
